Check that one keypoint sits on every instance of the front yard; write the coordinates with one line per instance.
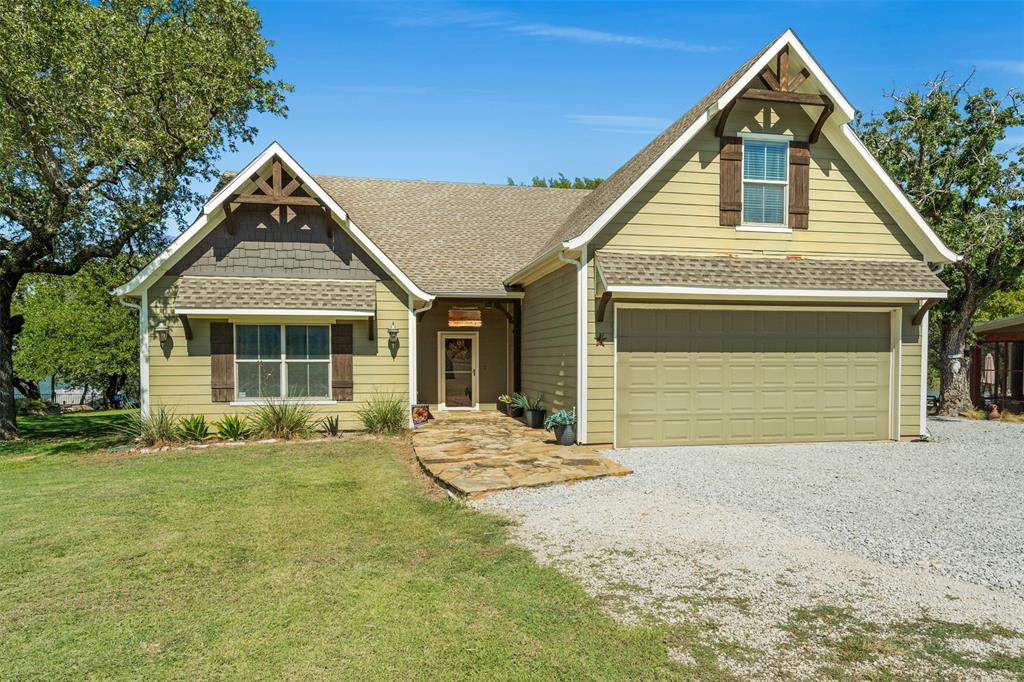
(324, 559)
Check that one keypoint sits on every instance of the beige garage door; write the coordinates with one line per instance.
(742, 376)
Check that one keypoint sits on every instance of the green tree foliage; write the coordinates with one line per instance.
(1001, 304)
(561, 182)
(107, 111)
(75, 329)
(940, 145)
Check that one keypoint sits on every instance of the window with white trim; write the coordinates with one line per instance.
(765, 182)
(282, 361)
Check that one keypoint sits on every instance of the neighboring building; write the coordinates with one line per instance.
(751, 275)
(997, 364)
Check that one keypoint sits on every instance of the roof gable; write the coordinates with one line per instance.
(605, 202)
(212, 214)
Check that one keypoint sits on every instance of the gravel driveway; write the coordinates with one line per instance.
(787, 550)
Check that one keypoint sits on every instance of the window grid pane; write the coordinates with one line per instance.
(764, 160)
(259, 365)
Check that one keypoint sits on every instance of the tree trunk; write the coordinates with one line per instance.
(954, 371)
(85, 392)
(28, 388)
(8, 418)
(112, 386)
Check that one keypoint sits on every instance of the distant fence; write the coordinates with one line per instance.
(73, 396)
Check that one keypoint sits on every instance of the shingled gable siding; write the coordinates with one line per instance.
(549, 339)
(679, 213)
(179, 376)
(260, 247)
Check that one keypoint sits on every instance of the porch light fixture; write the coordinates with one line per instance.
(392, 336)
(163, 333)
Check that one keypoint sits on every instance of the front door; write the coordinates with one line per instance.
(458, 364)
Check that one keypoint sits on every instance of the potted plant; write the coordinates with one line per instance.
(510, 407)
(532, 409)
(564, 425)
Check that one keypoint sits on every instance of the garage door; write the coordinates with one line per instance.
(742, 376)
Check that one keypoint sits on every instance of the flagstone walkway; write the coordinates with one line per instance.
(474, 453)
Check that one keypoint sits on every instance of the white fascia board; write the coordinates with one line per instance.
(197, 230)
(271, 312)
(638, 184)
(933, 247)
(854, 294)
(479, 294)
(935, 250)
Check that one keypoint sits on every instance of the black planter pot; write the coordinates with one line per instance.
(565, 434)
(535, 418)
(514, 411)
(502, 407)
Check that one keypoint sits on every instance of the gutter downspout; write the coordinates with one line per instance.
(581, 348)
(141, 307)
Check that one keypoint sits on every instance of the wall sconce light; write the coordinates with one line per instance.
(163, 333)
(393, 336)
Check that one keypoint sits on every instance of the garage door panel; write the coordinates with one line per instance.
(730, 376)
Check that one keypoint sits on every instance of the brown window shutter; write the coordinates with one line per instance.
(222, 361)
(341, 361)
(730, 171)
(799, 190)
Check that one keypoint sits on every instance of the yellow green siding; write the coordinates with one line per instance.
(910, 375)
(600, 363)
(678, 210)
(549, 339)
(179, 374)
(678, 213)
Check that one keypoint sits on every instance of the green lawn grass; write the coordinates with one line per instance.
(66, 434)
(322, 559)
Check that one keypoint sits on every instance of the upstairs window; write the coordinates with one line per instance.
(765, 182)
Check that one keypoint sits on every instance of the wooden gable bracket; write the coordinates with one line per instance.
(602, 305)
(919, 315)
(187, 326)
(781, 86)
(276, 194)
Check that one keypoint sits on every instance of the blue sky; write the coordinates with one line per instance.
(478, 92)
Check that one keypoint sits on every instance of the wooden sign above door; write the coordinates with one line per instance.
(465, 318)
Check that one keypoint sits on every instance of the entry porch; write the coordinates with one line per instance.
(467, 353)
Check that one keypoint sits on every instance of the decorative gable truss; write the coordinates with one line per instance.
(287, 185)
(782, 88)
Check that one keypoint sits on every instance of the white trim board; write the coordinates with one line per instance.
(920, 233)
(271, 312)
(205, 222)
(908, 296)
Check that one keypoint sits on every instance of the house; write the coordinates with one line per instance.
(997, 364)
(751, 275)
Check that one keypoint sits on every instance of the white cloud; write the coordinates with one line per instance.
(1010, 65)
(606, 123)
(500, 21)
(586, 35)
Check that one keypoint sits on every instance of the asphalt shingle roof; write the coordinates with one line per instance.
(277, 292)
(451, 236)
(765, 273)
(618, 182)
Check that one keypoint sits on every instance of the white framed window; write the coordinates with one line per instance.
(282, 361)
(765, 182)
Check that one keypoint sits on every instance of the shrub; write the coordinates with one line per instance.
(331, 426)
(232, 427)
(279, 419)
(384, 414)
(194, 428)
(26, 406)
(560, 418)
(155, 429)
(521, 400)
